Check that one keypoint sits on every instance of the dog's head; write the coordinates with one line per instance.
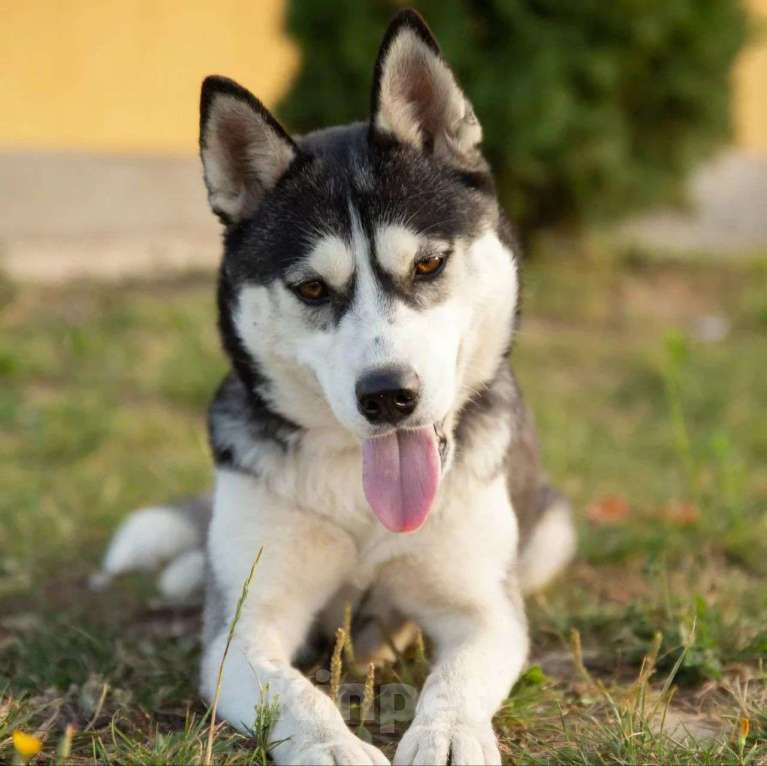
(366, 281)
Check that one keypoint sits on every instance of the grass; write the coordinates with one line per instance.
(658, 435)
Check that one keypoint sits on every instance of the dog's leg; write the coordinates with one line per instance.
(550, 545)
(292, 581)
(474, 614)
(479, 656)
(381, 631)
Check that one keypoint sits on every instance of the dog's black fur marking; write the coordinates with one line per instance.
(240, 421)
(384, 181)
(501, 403)
(335, 168)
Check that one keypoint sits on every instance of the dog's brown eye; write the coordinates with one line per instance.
(313, 291)
(427, 267)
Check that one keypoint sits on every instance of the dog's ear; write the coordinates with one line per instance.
(244, 150)
(416, 97)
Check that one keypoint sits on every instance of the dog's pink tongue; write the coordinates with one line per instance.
(400, 474)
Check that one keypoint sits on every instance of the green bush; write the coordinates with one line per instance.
(590, 108)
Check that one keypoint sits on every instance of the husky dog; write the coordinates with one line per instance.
(370, 436)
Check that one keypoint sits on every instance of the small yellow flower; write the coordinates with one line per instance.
(745, 727)
(26, 745)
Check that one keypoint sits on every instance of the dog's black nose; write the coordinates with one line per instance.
(388, 395)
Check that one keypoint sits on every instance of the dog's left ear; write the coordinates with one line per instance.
(244, 150)
(416, 98)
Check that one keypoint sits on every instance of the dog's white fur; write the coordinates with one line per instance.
(478, 630)
(468, 599)
(376, 332)
(317, 497)
(331, 257)
(549, 549)
(458, 575)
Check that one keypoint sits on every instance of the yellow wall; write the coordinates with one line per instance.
(751, 83)
(124, 75)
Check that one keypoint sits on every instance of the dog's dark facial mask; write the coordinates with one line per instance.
(360, 248)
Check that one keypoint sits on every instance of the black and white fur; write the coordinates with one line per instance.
(356, 206)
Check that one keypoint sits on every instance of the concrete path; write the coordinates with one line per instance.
(65, 216)
(70, 216)
(727, 214)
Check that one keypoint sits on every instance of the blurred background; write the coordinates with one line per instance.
(629, 139)
(591, 114)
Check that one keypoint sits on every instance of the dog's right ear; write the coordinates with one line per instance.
(244, 150)
(417, 99)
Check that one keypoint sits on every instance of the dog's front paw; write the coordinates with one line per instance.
(437, 741)
(336, 749)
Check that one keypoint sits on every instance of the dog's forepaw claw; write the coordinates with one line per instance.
(435, 743)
